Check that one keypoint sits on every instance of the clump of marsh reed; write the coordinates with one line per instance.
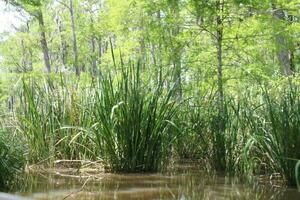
(282, 142)
(257, 126)
(134, 120)
(297, 174)
(192, 121)
(276, 139)
(201, 136)
(54, 118)
(12, 160)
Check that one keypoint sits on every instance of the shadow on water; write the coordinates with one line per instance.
(186, 182)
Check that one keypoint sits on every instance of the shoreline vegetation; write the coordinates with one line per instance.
(115, 120)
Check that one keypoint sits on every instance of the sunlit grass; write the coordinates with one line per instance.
(276, 135)
(133, 125)
(54, 118)
(133, 130)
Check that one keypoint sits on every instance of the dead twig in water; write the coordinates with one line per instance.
(78, 190)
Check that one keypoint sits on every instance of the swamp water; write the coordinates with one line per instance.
(186, 182)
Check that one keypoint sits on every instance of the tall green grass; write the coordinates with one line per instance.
(12, 160)
(133, 124)
(201, 137)
(193, 141)
(276, 138)
(262, 127)
(283, 140)
(54, 117)
(129, 121)
(297, 174)
(134, 120)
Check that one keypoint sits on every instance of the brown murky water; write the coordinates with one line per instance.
(182, 184)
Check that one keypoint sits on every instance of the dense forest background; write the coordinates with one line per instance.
(195, 39)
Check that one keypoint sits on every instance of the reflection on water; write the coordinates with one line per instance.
(185, 183)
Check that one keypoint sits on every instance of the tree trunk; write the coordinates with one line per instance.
(30, 54)
(219, 36)
(220, 135)
(284, 53)
(74, 41)
(94, 60)
(156, 52)
(176, 54)
(177, 76)
(43, 41)
(63, 43)
(93, 48)
(100, 48)
(23, 58)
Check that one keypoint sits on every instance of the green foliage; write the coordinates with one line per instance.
(129, 115)
(200, 136)
(275, 131)
(261, 131)
(297, 174)
(133, 131)
(12, 160)
(52, 117)
(128, 120)
(283, 140)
